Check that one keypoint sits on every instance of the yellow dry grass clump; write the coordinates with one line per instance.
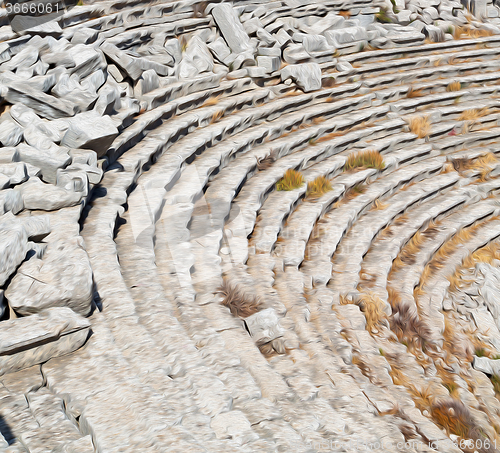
(454, 86)
(469, 32)
(379, 205)
(292, 179)
(473, 114)
(373, 308)
(413, 93)
(318, 187)
(211, 101)
(365, 159)
(420, 126)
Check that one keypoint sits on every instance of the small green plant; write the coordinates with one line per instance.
(481, 352)
(80, 3)
(365, 159)
(395, 10)
(318, 187)
(495, 381)
(382, 16)
(496, 357)
(292, 179)
(381, 351)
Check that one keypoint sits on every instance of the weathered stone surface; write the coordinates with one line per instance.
(345, 36)
(148, 81)
(264, 326)
(47, 160)
(14, 237)
(25, 342)
(197, 59)
(43, 104)
(270, 64)
(15, 171)
(233, 425)
(10, 132)
(63, 278)
(37, 195)
(131, 64)
(486, 365)
(10, 201)
(307, 76)
(231, 28)
(89, 130)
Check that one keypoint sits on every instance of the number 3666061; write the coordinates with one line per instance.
(31, 8)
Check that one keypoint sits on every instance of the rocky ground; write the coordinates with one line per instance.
(251, 227)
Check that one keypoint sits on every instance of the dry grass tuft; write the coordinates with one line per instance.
(468, 32)
(318, 187)
(482, 165)
(407, 254)
(420, 126)
(407, 325)
(413, 93)
(265, 162)
(353, 192)
(346, 14)
(217, 116)
(238, 302)
(453, 416)
(365, 159)
(329, 136)
(379, 205)
(454, 86)
(473, 114)
(373, 308)
(423, 397)
(292, 179)
(214, 100)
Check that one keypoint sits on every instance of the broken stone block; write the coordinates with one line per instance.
(197, 59)
(63, 278)
(264, 326)
(43, 104)
(315, 43)
(220, 49)
(89, 130)
(270, 64)
(434, 33)
(337, 38)
(84, 36)
(25, 342)
(256, 71)
(47, 197)
(307, 76)
(149, 81)
(231, 28)
(173, 48)
(132, 65)
(295, 54)
(47, 160)
(10, 132)
(14, 237)
(486, 365)
(10, 201)
(479, 8)
(15, 171)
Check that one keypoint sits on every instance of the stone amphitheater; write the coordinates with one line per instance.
(251, 227)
